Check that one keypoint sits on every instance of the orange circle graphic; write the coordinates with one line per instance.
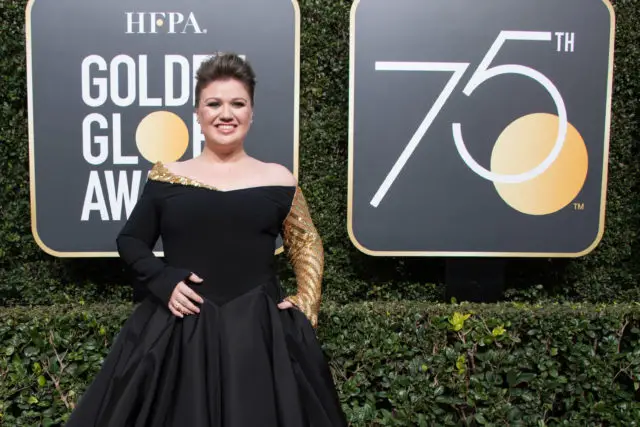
(523, 145)
(162, 136)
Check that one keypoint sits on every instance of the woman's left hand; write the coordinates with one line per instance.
(284, 305)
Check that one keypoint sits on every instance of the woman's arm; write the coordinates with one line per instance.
(303, 247)
(136, 242)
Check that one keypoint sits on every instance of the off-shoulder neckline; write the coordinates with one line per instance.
(159, 172)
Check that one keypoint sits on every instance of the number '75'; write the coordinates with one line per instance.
(481, 74)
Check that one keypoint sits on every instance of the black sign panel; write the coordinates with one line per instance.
(479, 128)
(111, 91)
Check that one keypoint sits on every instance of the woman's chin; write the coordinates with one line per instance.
(227, 144)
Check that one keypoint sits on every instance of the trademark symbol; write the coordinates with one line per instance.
(578, 206)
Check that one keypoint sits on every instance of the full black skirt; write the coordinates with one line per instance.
(241, 364)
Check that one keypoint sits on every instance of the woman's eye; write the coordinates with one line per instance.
(213, 104)
(238, 104)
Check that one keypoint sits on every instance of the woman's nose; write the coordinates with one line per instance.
(226, 112)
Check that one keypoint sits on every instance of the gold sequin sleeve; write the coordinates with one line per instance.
(303, 247)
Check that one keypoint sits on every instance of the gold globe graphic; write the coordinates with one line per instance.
(522, 146)
(162, 136)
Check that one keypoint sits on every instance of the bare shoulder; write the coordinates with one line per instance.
(277, 174)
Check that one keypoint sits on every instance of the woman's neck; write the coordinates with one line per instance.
(223, 155)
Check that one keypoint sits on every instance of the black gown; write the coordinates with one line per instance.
(240, 362)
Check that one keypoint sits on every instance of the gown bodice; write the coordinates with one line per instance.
(227, 238)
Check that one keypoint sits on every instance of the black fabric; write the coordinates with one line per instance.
(240, 362)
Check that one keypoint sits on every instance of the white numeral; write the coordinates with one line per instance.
(480, 75)
(458, 70)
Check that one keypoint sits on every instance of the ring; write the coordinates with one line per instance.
(181, 308)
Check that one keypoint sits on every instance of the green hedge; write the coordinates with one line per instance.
(394, 364)
(611, 273)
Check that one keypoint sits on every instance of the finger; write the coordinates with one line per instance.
(174, 311)
(186, 304)
(284, 305)
(185, 290)
(182, 307)
(195, 278)
(181, 292)
(193, 295)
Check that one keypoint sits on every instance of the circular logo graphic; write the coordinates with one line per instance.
(162, 136)
(524, 144)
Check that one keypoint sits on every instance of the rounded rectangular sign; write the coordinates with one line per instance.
(479, 128)
(111, 91)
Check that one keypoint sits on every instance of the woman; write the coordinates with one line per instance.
(215, 343)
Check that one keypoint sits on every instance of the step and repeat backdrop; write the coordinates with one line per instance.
(476, 128)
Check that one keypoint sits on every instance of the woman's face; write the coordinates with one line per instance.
(225, 112)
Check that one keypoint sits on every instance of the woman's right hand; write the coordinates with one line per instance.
(183, 298)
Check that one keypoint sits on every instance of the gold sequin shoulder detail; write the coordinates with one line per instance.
(303, 247)
(159, 172)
